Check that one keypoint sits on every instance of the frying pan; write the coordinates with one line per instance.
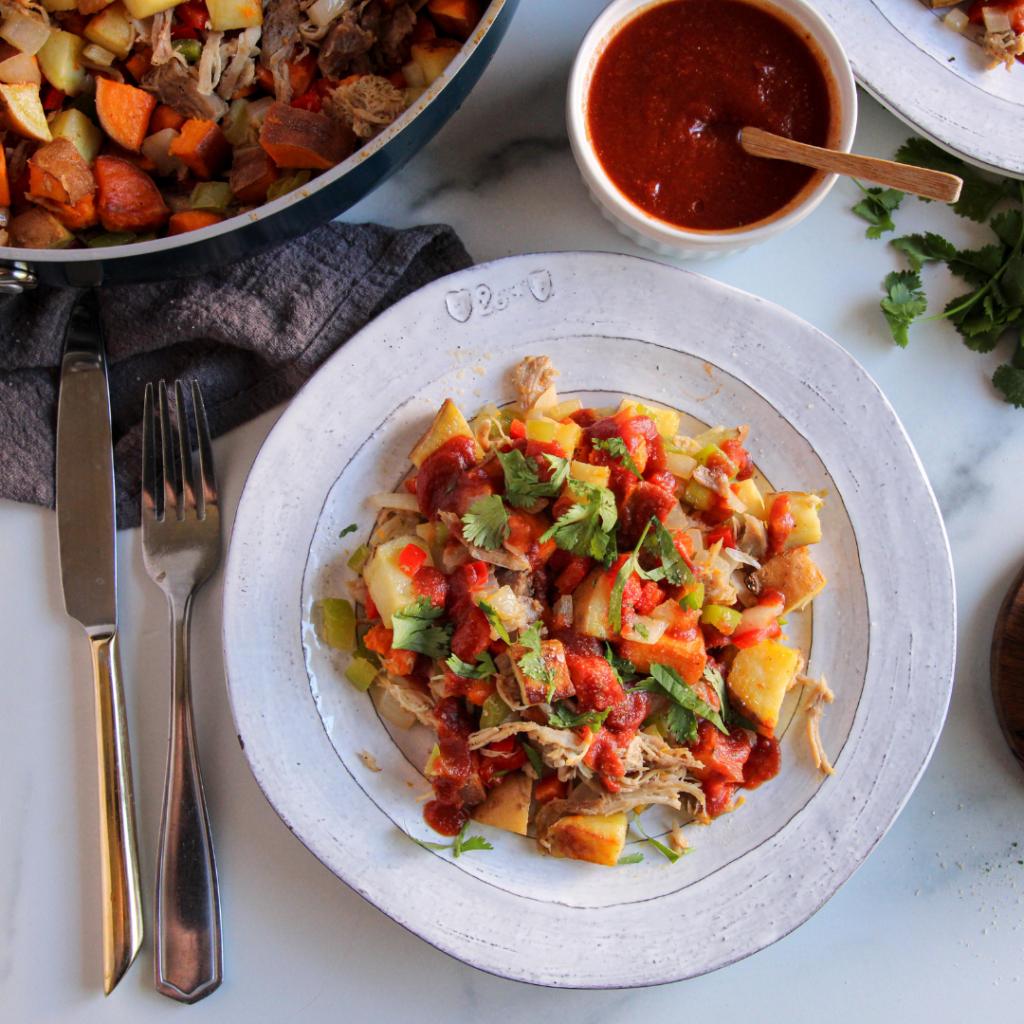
(292, 215)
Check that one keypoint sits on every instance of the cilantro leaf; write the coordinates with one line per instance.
(523, 485)
(641, 631)
(876, 207)
(714, 677)
(671, 855)
(904, 303)
(430, 846)
(682, 723)
(1008, 227)
(628, 567)
(483, 669)
(585, 529)
(673, 567)
(1010, 380)
(979, 194)
(622, 668)
(351, 528)
(495, 620)
(919, 249)
(532, 662)
(534, 758)
(616, 447)
(633, 858)
(459, 846)
(562, 717)
(415, 629)
(976, 266)
(1011, 284)
(667, 682)
(486, 523)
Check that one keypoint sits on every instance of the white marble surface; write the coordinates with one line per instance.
(929, 927)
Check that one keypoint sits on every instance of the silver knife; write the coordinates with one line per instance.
(88, 569)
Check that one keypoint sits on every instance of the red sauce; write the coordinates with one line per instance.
(780, 523)
(763, 764)
(444, 818)
(671, 91)
(437, 485)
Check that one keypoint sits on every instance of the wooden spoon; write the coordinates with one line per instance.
(918, 180)
(1007, 667)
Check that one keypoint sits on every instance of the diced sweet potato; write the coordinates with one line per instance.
(124, 112)
(140, 63)
(128, 198)
(140, 160)
(165, 116)
(455, 17)
(507, 805)
(191, 220)
(252, 173)
(5, 183)
(598, 838)
(301, 139)
(794, 574)
(58, 171)
(687, 657)
(202, 148)
(39, 229)
(78, 217)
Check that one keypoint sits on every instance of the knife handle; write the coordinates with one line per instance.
(122, 892)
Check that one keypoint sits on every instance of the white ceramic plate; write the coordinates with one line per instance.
(884, 630)
(934, 79)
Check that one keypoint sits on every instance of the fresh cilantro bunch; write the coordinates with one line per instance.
(523, 485)
(416, 629)
(486, 523)
(586, 528)
(995, 272)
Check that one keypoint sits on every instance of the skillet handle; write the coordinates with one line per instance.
(16, 277)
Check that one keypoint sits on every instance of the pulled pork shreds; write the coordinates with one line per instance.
(408, 697)
(677, 840)
(369, 760)
(210, 66)
(367, 105)
(160, 40)
(531, 378)
(558, 747)
(241, 71)
(814, 707)
(1003, 48)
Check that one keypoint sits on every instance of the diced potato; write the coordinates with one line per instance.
(597, 838)
(448, 423)
(21, 67)
(430, 768)
(433, 56)
(507, 606)
(599, 476)
(687, 657)
(564, 409)
(794, 574)
(60, 5)
(758, 680)
(74, 126)
(666, 420)
(804, 510)
(113, 30)
(568, 436)
(60, 59)
(747, 491)
(507, 805)
(590, 603)
(23, 112)
(436, 536)
(546, 400)
(535, 691)
(455, 17)
(389, 587)
(39, 229)
(146, 8)
(228, 14)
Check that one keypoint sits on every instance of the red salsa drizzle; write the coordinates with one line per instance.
(780, 523)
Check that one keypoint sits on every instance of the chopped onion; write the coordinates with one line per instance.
(679, 465)
(716, 435)
(394, 712)
(405, 502)
(158, 148)
(20, 68)
(654, 628)
(23, 32)
(696, 539)
(414, 76)
(741, 556)
(996, 20)
(676, 519)
(563, 609)
(956, 20)
(323, 12)
(99, 55)
(258, 110)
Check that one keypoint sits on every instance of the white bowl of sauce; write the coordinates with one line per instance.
(657, 96)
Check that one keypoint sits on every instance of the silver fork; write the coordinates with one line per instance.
(181, 547)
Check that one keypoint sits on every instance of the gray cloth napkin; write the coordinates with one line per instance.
(251, 333)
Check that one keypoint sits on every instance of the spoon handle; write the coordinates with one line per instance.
(918, 180)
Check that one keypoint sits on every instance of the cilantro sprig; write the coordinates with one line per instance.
(687, 704)
(483, 669)
(416, 629)
(532, 662)
(667, 852)
(673, 567)
(460, 845)
(586, 528)
(486, 523)
(562, 717)
(495, 620)
(616, 448)
(523, 485)
(877, 207)
(994, 272)
(351, 528)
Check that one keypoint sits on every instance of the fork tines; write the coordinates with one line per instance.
(170, 471)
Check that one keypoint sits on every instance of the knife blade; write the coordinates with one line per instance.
(88, 566)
